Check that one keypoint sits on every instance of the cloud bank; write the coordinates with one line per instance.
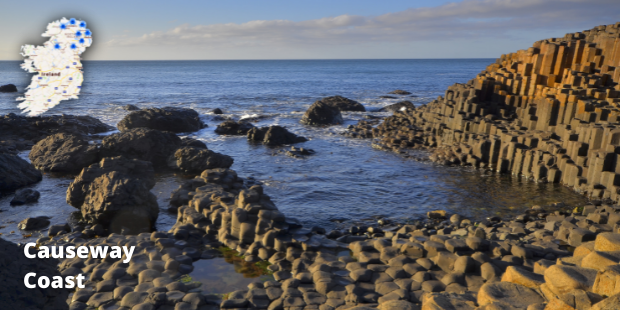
(470, 19)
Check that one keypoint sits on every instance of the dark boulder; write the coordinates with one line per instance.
(122, 204)
(9, 88)
(35, 128)
(274, 135)
(33, 223)
(217, 111)
(141, 143)
(196, 160)
(299, 152)
(24, 196)
(16, 172)
(233, 128)
(131, 107)
(343, 104)
(186, 141)
(398, 106)
(63, 152)
(14, 266)
(400, 92)
(387, 97)
(321, 113)
(167, 119)
(131, 168)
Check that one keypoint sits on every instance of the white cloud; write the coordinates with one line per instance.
(463, 20)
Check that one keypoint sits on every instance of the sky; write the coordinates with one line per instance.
(317, 29)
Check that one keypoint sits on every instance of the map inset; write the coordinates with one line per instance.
(57, 64)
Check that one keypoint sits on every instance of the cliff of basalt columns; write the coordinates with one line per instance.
(550, 113)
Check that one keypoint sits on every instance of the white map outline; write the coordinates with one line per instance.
(57, 64)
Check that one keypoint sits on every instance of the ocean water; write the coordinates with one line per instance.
(346, 180)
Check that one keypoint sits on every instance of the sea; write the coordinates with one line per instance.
(345, 183)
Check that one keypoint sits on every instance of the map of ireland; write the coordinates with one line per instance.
(57, 66)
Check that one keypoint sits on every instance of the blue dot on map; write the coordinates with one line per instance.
(64, 91)
(40, 78)
(63, 26)
(75, 63)
(72, 21)
(49, 100)
(82, 24)
(87, 33)
(73, 46)
(82, 41)
(79, 33)
(56, 88)
(57, 46)
(67, 67)
(79, 86)
(70, 79)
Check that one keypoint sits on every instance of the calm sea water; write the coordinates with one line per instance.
(346, 179)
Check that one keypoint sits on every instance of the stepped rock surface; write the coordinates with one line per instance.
(168, 119)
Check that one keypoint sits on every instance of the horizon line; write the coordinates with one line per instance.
(468, 58)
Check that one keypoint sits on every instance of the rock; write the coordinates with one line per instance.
(523, 277)
(397, 304)
(437, 214)
(445, 300)
(399, 92)
(186, 141)
(609, 303)
(16, 172)
(122, 203)
(14, 266)
(54, 230)
(274, 136)
(24, 196)
(142, 143)
(131, 168)
(321, 113)
(607, 242)
(399, 106)
(63, 152)
(166, 119)
(217, 111)
(563, 279)
(195, 160)
(343, 104)
(35, 128)
(231, 127)
(131, 107)
(299, 152)
(8, 88)
(33, 223)
(511, 294)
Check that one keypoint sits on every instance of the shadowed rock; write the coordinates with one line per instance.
(274, 135)
(167, 119)
(24, 196)
(63, 152)
(191, 159)
(321, 113)
(343, 104)
(16, 172)
(399, 106)
(142, 143)
(230, 127)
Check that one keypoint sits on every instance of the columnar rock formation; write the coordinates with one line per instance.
(550, 112)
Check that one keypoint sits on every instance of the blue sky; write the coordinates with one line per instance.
(270, 29)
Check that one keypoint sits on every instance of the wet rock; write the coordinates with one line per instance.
(14, 266)
(399, 106)
(166, 119)
(123, 204)
(273, 136)
(217, 111)
(399, 92)
(24, 196)
(321, 113)
(343, 104)
(131, 107)
(299, 152)
(33, 223)
(186, 141)
(63, 152)
(196, 160)
(131, 168)
(8, 88)
(16, 172)
(57, 229)
(142, 143)
(231, 127)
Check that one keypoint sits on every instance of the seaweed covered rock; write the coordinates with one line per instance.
(166, 119)
(14, 266)
(274, 135)
(131, 168)
(231, 127)
(123, 204)
(320, 113)
(196, 160)
(63, 152)
(15, 172)
(142, 143)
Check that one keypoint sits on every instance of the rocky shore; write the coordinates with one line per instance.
(547, 113)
